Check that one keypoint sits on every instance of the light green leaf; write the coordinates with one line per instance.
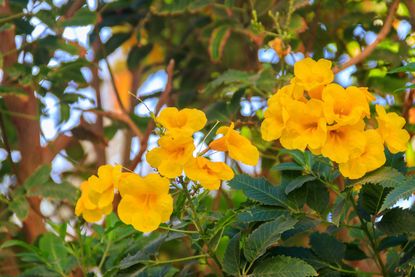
(385, 176)
(410, 67)
(287, 166)
(20, 206)
(63, 191)
(39, 177)
(217, 42)
(266, 235)
(283, 266)
(402, 192)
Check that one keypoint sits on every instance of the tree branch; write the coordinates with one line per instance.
(162, 100)
(54, 147)
(369, 49)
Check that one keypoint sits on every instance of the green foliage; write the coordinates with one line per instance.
(282, 266)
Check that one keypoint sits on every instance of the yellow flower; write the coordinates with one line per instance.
(185, 121)
(208, 173)
(145, 201)
(371, 158)
(171, 155)
(313, 75)
(390, 128)
(306, 126)
(239, 147)
(369, 96)
(97, 193)
(344, 106)
(344, 142)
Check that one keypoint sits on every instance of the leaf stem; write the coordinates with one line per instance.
(178, 230)
(154, 263)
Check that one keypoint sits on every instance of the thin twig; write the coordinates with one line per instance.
(162, 100)
(8, 148)
(369, 49)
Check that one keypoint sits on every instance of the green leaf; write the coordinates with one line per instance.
(260, 190)
(266, 235)
(297, 155)
(283, 266)
(327, 247)
(20, 207)
(385, 176)
(397, 221)
(371, 197)
(22, 244)
(260, 213)
(39, 177)
(339, 210)
(298, 182)
(410, 67)
(287, 166)
(354, 253)
(232, 257)
(53, 249)
(63, 191)
(317, 196)
(217, 42)
(402, 192)
(404, 88)
(82, 17)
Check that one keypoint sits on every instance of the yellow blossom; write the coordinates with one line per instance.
(208, 173)
(238, 147)
(145, 201)
(171, 155)
(344, 142)
(371, 158)
(313, 75)
(97, 193)
(390, 128)
(344, 106)
(185, 121)
(306, 126)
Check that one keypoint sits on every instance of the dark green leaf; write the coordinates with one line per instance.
(283, 266)
(402, 192)
(317, 196)
(327, 247)
(397, 221)
(287, 166)
(232, 257)
(137, 54)
(354, 253)
(260, 190)
(260, 213)
(266, 235)
(82, 17)
(298, 182)
(385, 176)
(371, 197)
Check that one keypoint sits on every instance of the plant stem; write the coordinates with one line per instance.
(107, 248)
(178, 230)
(154, 263)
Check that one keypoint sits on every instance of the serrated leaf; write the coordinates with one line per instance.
(39, 177)
(287, 166)
(401, 192)
(260, 190)
(385, 176)
(266, 235)
(283, 266)
(232, 257)
(217, 42)
(298, 182)
(260, 213)
(339, 209)
(397, 221)
(371, 197)
(410, 67)
(317, 196)
(327, 247)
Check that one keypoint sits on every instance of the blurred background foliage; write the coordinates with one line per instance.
(78, 79)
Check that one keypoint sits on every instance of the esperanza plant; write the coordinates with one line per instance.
(327, 207)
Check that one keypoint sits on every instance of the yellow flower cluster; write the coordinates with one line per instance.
(145, 201)
(314, 113)
(174, 154)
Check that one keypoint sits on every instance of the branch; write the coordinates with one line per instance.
(123, 117)
(162, 100)
(369, 49)
(54, 147)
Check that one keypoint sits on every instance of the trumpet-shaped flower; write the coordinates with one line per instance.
(238, 147)
(390, 128)
(306, 126)
(208, 173)
(344, 142)
(185, 121)
(145, 201)
(371, 158)
(171, 155)
(313, 75)
(97, 193)
(344, 106)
